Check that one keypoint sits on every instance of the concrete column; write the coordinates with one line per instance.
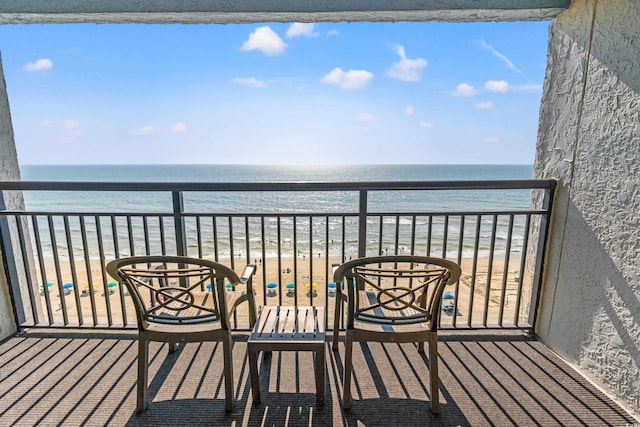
(8, 171)
(589, 139)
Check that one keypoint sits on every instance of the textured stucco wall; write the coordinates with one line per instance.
(589, 139)
(242, 11)
(8, 171)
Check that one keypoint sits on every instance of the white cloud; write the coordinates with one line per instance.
(71, 124)
(407, 70)
(493, 50)
(497, 85)
(365, 117)
(426, 125)
(265, 40)
(178, 128)
(409, 110)
(350, 80)
(145, 130)
(464, 89)
(332, 33)
(250, 82)
(484, 105)
(39, 65)
(299, 29)
(492, 139)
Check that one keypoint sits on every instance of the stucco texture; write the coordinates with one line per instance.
(589, 139)
(243, 11)
(8, 199)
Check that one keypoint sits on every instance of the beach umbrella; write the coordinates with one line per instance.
(448, 295)
(111, 286)
(271, 288)
(311, 288)
(49, 284)
(66, 288)
(332, 288)
(291, 289)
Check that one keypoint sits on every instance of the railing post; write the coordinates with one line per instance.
(541, 249)
(178, 223)
(362, 224)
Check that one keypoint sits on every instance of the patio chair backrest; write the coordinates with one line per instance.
(395, 290)
(174, 290)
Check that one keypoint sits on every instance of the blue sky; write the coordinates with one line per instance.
(275, 93)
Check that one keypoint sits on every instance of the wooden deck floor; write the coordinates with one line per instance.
(88, 378)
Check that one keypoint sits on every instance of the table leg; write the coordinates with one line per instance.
(253, 371)
(320, 375)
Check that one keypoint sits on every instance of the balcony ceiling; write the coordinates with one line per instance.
(251, 11)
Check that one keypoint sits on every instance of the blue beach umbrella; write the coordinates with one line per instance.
(448, 295)
(66, 288)
(332, 289)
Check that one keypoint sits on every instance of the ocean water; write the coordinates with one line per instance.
(308, 236)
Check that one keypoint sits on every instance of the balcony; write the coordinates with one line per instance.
(74, 361)
(88, 378)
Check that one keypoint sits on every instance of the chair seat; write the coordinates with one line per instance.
(187, 330)
(414, 328)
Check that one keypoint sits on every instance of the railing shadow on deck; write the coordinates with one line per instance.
(499, 379)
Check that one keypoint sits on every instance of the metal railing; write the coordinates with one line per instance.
(55, 259)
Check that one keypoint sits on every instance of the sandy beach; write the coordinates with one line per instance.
(299, 274)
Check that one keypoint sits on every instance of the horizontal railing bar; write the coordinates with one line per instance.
(512, 184)
(278, 214)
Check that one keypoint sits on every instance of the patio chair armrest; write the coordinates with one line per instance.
(248, 272)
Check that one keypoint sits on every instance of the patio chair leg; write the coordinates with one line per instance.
(227, 349)
(336, 322)
(172, 347)
(433, 373)
(348, 366)
(421, 347)
(143, 375)
(253, 372)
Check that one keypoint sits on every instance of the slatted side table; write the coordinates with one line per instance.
(282, 328)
